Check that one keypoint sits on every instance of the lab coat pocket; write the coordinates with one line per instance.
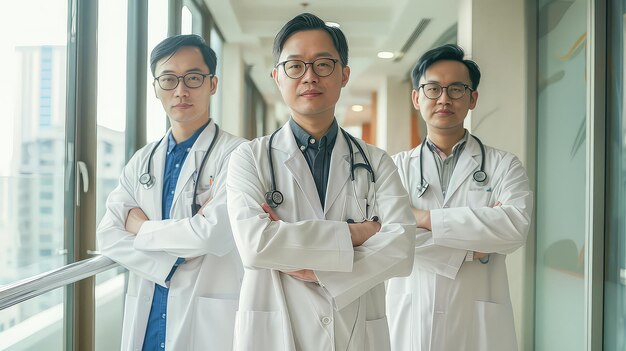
(493, 327)
(400, 312)
(377, 335)
(478, 197)
(259, 331)
(354, 208)
(214, 324)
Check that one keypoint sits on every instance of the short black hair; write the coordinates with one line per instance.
(307, 21)
(169, 46)
(448, 52)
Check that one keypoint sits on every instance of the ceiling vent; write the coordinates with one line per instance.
(416, 33)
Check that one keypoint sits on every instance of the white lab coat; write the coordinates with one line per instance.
(447, 303)
(204, 290)
(346, 311)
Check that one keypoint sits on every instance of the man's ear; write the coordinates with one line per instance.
(473, 99)
(214, 81)
(345, 76)
(274, 75)
(155, 89)
(415, 95)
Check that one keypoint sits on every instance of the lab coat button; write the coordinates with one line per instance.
(326, 320)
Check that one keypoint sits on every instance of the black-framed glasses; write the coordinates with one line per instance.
(434, 90)
(323, 67)
(191, 80)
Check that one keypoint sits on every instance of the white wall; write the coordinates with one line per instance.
(494, 33)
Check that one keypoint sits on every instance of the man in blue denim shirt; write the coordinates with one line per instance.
(167, 222)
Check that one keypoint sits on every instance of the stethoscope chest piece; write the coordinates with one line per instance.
(421, 188)
(480, 176)
(274, 198)
(146, 180)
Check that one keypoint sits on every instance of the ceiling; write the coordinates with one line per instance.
(369, 25)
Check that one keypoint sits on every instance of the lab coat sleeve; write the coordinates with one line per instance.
(445, 261)
(389, 253)
(118, 244)
(501, 229)
(442, 260)
(208, 232)
(279, 245)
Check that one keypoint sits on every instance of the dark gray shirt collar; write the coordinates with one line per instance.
(305, 140)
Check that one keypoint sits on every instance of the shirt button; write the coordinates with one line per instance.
(177, 165)
(163, 316)
(172, 192)
(326, 320)
(312, 141)
(302, 147)
(162, 345)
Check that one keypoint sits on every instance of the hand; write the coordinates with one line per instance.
(134, 221)
(422, 217)
(270, 211)
(479, 255)
(360, 232)
(305, 275)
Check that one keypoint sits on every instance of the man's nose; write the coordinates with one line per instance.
(181, 89)
(444, 98)
(309, 74)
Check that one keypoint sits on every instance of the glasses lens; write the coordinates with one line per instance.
(168, 81)
(432, 90)
(194, 80)
(323, 67)
(456, 91)
(294, 68)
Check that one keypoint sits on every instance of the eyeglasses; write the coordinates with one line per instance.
(434, 90)
(323, 67)
(191, 80)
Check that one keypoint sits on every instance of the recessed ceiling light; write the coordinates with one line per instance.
(385, 54)
(357, 108)
(333, 24)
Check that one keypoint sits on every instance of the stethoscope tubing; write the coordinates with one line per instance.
(273, 194)
(479, 176)
(147, 179)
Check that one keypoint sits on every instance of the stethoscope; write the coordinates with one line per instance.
(147, 180)
(274, 197)
(479, 176)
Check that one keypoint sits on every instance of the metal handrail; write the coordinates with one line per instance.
(22, 290)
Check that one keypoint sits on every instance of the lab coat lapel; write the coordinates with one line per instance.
(296, 164)
(468, 163)
(339, 173)
(431, 175)
(153, 207)
(192, 163)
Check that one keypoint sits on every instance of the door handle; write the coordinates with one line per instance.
(81, 174)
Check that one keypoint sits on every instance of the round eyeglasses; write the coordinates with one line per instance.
(191, 80)
(434, 90)
(323, 67)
